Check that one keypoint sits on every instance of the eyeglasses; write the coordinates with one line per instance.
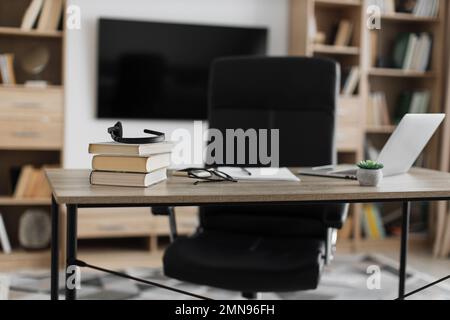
(208, 175)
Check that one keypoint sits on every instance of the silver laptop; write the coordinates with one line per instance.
(400, 152)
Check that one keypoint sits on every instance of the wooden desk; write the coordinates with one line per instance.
(72, 188)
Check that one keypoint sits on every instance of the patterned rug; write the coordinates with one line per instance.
(345, 279)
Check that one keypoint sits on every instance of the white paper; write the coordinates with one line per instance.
(260, 174)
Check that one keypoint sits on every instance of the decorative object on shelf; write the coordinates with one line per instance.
(34, 230)
(369, 173)
(35, 61)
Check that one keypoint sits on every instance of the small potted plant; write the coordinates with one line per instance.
(369, 173)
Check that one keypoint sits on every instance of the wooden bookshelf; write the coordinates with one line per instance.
(442, 220)
(31, 122)
(32, 130)
(309, 16)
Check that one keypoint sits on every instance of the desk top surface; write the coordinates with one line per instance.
(73, 187)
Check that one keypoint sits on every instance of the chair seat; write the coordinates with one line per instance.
(246, 263)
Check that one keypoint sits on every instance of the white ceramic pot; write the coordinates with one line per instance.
(369, 178)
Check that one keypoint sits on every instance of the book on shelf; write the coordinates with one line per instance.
(426, 8)
(32, 183)
(31, 15)
(412, 102)
(23, 181)
(412, 51)
(51, 15)
(351, 81)
(115, 148)
(372, 222)
(344, 33)
(4, 239)
(347, 230)
(137, 164)
(128, 179)
(377, 110)
(7, 73)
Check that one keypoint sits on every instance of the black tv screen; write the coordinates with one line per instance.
(150, 70)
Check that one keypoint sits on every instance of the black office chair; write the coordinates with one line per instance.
(270, 248)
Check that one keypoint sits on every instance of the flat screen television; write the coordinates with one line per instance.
(152, 70)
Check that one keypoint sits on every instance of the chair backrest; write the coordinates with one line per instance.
(296, 95)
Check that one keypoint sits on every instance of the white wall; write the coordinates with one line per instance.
(82, 126)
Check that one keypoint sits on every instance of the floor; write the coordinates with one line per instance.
(346, 278)
(422, 260)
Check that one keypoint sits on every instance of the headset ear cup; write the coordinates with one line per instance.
(118, 129)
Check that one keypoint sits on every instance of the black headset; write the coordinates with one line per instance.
(116, 133)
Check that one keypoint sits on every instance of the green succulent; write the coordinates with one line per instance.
(370, 165)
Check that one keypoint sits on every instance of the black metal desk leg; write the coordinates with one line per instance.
(54, 284)
(404, 249)
(71, 251)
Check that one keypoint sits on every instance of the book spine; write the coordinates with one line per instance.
(6, 245)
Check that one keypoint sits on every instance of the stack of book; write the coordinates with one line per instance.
(7, 75)
(129, 165)
(412, 51)
(419, 8)
(48, 12)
